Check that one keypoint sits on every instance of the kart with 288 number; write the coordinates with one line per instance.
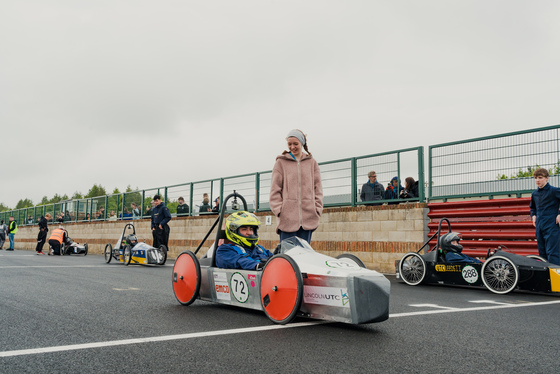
(501, 272)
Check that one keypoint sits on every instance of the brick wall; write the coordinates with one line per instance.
(378, 235)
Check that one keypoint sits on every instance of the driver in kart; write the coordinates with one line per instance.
(240, 250)
(449, 245)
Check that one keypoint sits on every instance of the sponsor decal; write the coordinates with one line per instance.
(239, 287)
(221, 286)
(470, 274)
(341, 264)
(251, 277)
(331, 296)
(448, 268)
(222, 291)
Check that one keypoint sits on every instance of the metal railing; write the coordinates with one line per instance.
(342, 181)
(494, 165)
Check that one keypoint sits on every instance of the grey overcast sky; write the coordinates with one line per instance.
(151, 93)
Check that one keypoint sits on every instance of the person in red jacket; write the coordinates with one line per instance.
(296, 192)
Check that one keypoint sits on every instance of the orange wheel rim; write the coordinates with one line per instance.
(185, 278)
(279, 289)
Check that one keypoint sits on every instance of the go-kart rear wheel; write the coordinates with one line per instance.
(353, 258)
(412, 268)
(499, 274)
(186, 278)
(281, 289)
(127, 255)
(163, 252)
(85, 249)
(108, 253)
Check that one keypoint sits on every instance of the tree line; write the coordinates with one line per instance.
(95, 191)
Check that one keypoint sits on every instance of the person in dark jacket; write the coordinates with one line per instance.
(410, 189)
(160, 218)
(205, 206)
(3, 233)
(182, 209)
(372, 190)
(241, 250)
(393, 189)
(42, 236)
(545, 202)
(216, 207)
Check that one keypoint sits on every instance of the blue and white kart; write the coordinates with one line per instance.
(129, 249)
(296, 281)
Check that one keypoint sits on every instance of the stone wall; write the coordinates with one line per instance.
(378, 235)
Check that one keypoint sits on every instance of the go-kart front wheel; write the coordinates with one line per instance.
(127, 254)
(186, 278)
(108, 253)
(537, 257)
(353, 258)
(412, 268)
(163, 254)
(281, 289)
(499, 274)
(85, 249)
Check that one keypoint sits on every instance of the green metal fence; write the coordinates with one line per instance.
(495, 165)
(342, 182)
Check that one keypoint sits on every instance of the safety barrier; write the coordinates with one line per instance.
(487, 224)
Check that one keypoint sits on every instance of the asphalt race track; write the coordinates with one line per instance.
(77, 314)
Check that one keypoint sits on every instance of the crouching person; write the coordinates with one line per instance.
(56, 239)
(241, 249)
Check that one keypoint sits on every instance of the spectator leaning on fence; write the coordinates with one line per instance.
(545, 203)
(410, 189)
(182, 208)
(372, 190)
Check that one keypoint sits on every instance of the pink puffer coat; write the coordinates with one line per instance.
(296, 193)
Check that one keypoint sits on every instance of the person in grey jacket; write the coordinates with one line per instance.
(296, 192)
(372, 190)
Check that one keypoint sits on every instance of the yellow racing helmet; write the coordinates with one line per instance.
(237, 220)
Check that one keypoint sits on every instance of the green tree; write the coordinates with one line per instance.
(3, 207)
(44, 200)
(55, 199)
(96, 190)
(77, 195)
(25, 203)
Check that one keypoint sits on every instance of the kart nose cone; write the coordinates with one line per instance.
(371, 298)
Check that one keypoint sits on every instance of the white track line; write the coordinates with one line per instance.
(473, 309)
(241, 331)
(153, 339)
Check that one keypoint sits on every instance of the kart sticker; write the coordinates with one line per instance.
(470, 275)
(239, 287)
(342, 264)
(326, 296)
(222, 287)
(448, 268)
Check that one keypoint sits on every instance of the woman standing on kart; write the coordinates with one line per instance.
(296, 193)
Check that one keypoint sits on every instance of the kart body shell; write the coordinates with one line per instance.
(296, 281)
(501, 272)
(133, 251)
(70, 247)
